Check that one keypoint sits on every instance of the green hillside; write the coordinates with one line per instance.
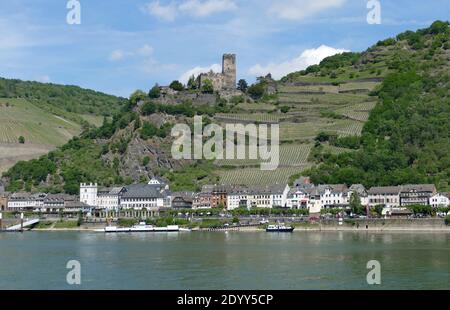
(46, 116)
(379, 117)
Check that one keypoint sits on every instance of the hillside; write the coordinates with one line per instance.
(376, 117)
(46, 116)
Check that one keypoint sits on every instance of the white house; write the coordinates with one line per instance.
(278, 195)
(384, 195)
(440, 200)
(109, 199)
(298, 198)
(145, 196)
(237, 198)
(333, 196)
(26, 201)
(88, 194)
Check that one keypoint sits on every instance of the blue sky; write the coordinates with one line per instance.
(123, 45)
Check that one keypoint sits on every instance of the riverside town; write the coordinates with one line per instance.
(232, 207)
(225, 145)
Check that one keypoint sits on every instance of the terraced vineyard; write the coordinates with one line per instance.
(314, 107)
(19, 117)
(290, 155)
(42, 131)
(249, 117)
(255, 176)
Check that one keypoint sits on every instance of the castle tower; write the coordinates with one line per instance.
(229, 71)
(88, 194)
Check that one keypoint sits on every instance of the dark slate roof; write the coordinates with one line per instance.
(143, 191)
(384, 190)
(419, 188)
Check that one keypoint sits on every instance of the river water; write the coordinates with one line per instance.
(219, 260)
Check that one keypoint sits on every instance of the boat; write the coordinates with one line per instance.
(141, 227)
(279, 228)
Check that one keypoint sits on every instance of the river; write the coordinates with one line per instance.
(219, 260)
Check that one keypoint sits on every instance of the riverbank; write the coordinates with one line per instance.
(370, 225)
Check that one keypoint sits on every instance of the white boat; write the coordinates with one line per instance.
(279, 228)
(141, 227)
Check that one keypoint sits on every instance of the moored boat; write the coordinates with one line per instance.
(141, 227)
(279, 228)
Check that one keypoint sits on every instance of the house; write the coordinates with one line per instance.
(417, 194)
(384, 195)
(88, 194)
(26, 201)
(109, 198)
(278, 195)
(333, 196)
(359, 190)
(182, 200)
(237, 198)
(303, 183)
(298, 198)
(259, 197)
(203, 199)
(145, 196)
(219, 195)
(440, 200)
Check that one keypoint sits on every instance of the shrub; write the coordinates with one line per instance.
(447, 220)
(176, 85)
(155, 92)
(21, 140)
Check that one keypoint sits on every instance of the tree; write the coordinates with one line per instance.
(256, 91)
(355, 204)
(192, 83)
(207, 86)
(176, 85)
(22, 140)
(242, 85)
(137, 96)
(378, 209)
(155, 92)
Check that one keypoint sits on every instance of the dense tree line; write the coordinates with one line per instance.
(69, 98)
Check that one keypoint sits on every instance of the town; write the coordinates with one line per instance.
(312, 202)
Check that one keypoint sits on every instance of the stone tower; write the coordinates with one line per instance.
(88, 194)
(229, 71)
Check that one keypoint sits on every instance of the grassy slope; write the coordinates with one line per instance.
(47, 116)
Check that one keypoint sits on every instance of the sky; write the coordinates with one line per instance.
(123, 45)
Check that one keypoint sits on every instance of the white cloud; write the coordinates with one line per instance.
(166, 12)
(307, 58)
(146, 50)
(117, 55)
(300, 9)
(196, 8)
(120, 54)
(205, 8)
(184, 78)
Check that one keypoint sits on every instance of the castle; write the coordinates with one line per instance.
(225, 80)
